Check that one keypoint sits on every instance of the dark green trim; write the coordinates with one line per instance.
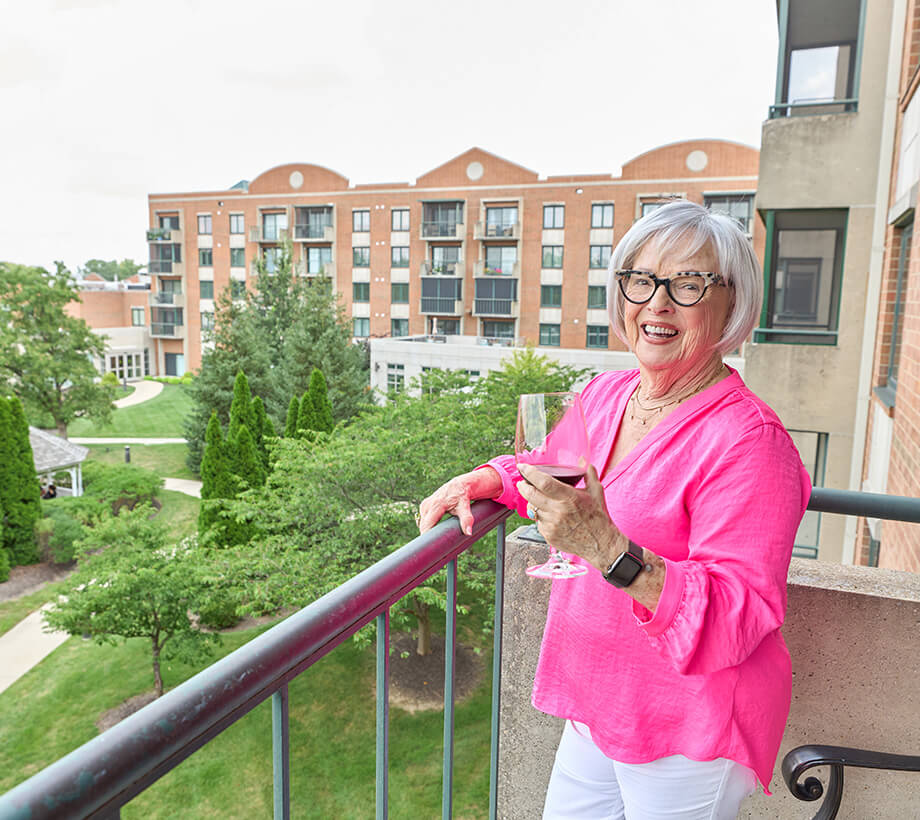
(783, 26)
(770, 223)
(859, 51)
(790, 336)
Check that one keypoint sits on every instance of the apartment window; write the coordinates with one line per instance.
(360, 221)
(237, 289)
(551, 296)
(204, 223)
(399, 219)
(205, 289)
(272, 259)
(819, 71)
(597, 336)
(553, 216)
(274, 226)
(399, 256)
(552, 256)
(445, 260)
(207, 320)
(804, 263)
(311, 223)
(360, 257)
(163, 256)
(549, 335)
(399, 293)
(440, 294)
(441, 218)
(441, 326)
(495, 295)
(171, 286)
(168, 222)
(646, 208)
(396, 378)
(318, 258)
(237, 224)
(500, 220)
(399, 327)
(812, 447)
(597, 297)
(361, 291)
(498, 329)
(137, 317)
(738, 206)
(237, 257)
(600, 256)
(361, 328)
(205, 258)
(888, 390)
(602, 215)
(500, 260)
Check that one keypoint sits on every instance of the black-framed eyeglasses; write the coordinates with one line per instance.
(685, 288)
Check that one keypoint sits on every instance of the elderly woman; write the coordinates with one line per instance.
(666, 659)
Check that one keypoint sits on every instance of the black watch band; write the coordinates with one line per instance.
(625, 567)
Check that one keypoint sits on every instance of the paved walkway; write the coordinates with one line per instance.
(183, 485)
(143, 390)
(116, 440)
(24, 646)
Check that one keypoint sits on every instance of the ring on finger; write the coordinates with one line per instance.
(532, 512)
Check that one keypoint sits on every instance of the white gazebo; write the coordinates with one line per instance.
(52, 454)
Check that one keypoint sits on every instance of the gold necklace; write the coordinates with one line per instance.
(655, 410)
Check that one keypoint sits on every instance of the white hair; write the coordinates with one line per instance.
(688, 227)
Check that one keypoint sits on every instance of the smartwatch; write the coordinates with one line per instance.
(625, 567)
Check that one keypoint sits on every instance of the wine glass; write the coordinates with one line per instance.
(552, 437)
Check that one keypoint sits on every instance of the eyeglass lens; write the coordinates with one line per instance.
(685, 289)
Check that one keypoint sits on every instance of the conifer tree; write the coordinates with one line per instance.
(261, 431)
(25, 503)
(215, 476)
(290, 427)
(4, 555)
(306, 417)
(241, 407)
(319, 396)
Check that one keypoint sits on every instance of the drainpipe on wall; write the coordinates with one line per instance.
(876, 257)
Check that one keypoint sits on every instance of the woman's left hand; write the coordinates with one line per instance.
(574, 520)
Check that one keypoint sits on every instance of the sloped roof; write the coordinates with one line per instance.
(52, 452)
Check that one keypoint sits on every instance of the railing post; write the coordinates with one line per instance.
(281, 758)
(496, 666)
(383, 713)
(447, 794)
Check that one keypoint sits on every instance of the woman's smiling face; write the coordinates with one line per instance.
(667, 336)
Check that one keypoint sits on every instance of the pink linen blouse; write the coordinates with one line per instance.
(717, 489)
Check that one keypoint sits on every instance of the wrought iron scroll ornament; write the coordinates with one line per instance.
(802, 758)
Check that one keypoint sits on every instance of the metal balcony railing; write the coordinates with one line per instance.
(443, 229)
(164, 235)
(319, 233)
(100, 777)
(453, 268)
(815, 106)
(169, 330)
(497, 230)
(163, 297)
(164, 266)
(493, 307)
(441, 305)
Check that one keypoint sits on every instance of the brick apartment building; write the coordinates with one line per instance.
(479, 248)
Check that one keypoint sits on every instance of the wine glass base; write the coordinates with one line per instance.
(556, 569)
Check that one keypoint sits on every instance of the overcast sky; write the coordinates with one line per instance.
(105, 101)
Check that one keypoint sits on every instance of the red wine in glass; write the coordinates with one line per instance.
(551, 436)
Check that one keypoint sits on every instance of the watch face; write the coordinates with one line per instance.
(624, 569)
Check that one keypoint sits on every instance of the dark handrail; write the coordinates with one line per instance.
(871, 505)
(107, 771)
(803, 758)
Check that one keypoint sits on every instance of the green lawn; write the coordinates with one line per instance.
(160, 417)
(167, 460)
(12, 612)
(52, 709)
(180, 512)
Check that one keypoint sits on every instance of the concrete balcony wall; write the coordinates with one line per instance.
(852, 632)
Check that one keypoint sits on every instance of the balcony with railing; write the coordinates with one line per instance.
(314, 233)
(496, 230)
(485, 268)
(169, 267)
(447, 268)
(164, 235)
(327, 269)
(267, 233)
(166, 298)
(851, 633)
(167, 330)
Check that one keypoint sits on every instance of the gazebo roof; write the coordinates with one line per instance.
(52, 452)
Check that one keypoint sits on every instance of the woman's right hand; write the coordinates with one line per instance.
(456, 496)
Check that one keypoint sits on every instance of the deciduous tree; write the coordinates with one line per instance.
(131, 582)
(111, 269)
(46, 354)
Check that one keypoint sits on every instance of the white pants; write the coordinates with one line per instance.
(588, 785)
